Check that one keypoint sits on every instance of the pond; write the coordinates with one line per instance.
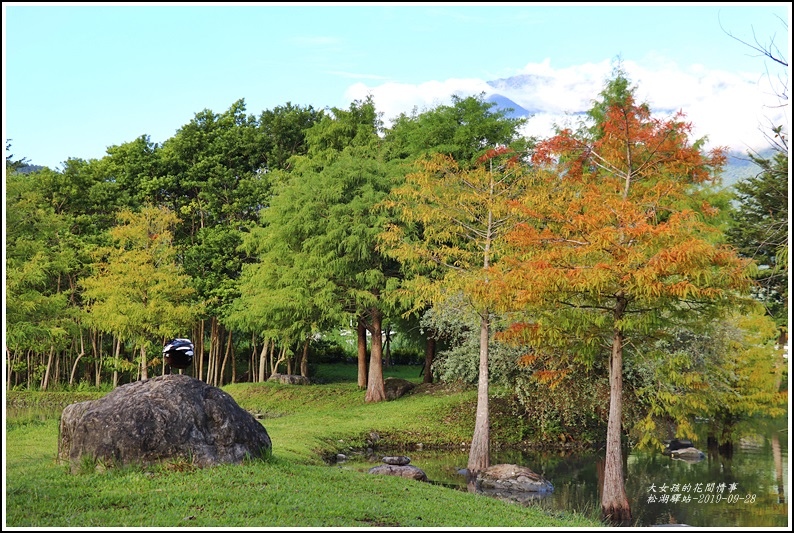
(749, 488)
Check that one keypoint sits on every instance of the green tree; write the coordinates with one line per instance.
(462, 131)
(137, 291)
(760, 230)
(11, 163)
(725, 374)
(40, 257)
(318, 246)
(619, 243)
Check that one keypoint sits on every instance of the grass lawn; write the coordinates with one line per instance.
(295, 488)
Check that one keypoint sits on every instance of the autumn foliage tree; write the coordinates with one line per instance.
(617, 243)
(452, 219)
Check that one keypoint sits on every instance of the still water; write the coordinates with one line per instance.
(750, 488)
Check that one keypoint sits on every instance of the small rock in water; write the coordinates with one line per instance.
(397, 460)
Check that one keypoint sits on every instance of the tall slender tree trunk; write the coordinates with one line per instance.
(214, 359)
(376, 391)
(94, 353)
(234, 363)
(144, 363)
(253, 363)
(263, 362)
(614, 503)
(273, 363)
(305, 358)
(281, 358)
(116, 365)
(56, 375)
(387, 347)
(10, 365)
(480, 451)
(45, 381)
(198, 346)
(430, 352)
(225, 357)
(361, 347)
(98, 364)
(77, 360)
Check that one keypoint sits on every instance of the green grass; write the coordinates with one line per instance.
(295, 488)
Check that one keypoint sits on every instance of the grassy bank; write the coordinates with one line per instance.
(295, 488)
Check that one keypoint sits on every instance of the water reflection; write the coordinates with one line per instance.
(747, 488)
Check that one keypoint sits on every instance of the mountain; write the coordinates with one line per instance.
(511, 109)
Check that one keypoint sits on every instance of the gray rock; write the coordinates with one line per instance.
(406, 471)
(512, 478)
(397, 460)
(690, 455)
(289, 379)
(396, 387)
(167, 417)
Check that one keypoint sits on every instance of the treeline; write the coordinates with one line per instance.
(552, 266)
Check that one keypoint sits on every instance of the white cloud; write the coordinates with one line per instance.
(730, 108)
(394, 98)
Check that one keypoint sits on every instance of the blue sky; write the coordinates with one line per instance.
(79, 78)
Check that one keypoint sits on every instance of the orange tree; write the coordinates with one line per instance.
(451, 221)
(618, 242)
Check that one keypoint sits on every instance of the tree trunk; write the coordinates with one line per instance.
(387, 348)
(273, 363)
(614, 503)
(144, 363)
(10, 366)
(253, 376)
(305, 358)
(198, 345)
(45, 381)
(480, 451)
(376, 391)
(430, 352)
(98, 364)
(361, 346)
(116, 365)
(263, 362)
(282, 356)
(225, 358)
(234, 363)
(79, 356)
(94, 352)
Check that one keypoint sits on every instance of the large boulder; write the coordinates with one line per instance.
(396, 387)
(167, 417)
